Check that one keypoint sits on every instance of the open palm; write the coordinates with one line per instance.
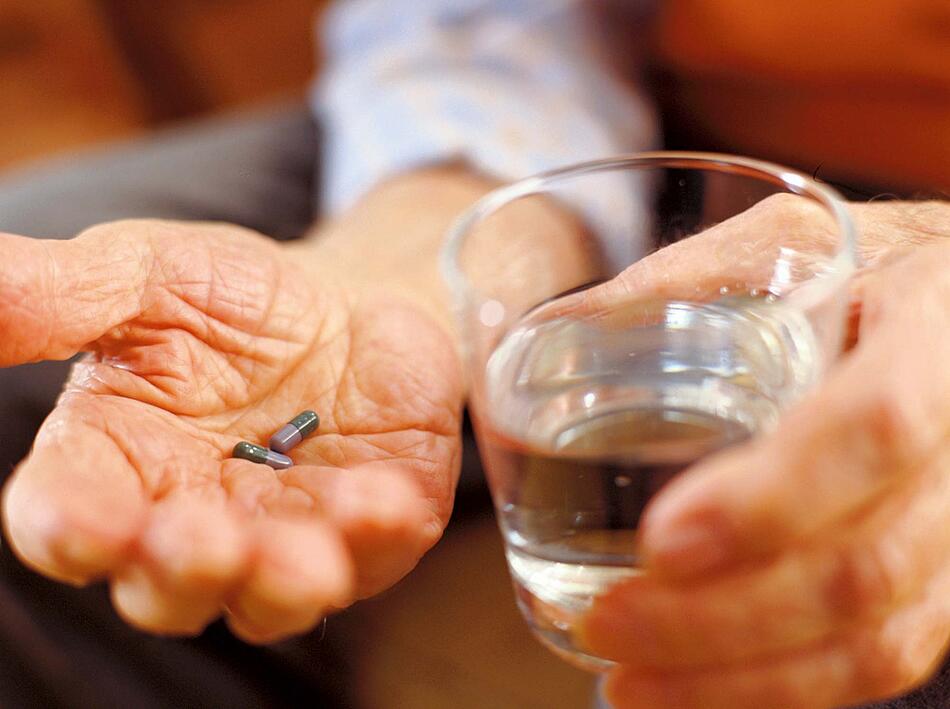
(199, 336)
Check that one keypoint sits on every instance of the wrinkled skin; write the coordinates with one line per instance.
(199, 336)
(810, 568)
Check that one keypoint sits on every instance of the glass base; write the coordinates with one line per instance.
(565, 649)
(553, 625)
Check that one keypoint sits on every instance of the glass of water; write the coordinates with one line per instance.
(622, 319)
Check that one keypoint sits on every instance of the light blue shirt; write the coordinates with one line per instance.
(512, 87)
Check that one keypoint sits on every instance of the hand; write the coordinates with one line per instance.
(202, 335)
(810, 568)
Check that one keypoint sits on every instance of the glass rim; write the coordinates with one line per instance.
(794, 181)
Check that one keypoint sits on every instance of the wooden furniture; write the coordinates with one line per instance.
(63, 79)
(75, 72)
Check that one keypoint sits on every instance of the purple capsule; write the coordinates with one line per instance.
(290, 434)
(259, 454)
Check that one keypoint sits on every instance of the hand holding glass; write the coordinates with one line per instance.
(622, 319)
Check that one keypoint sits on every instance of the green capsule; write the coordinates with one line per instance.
(259, 454)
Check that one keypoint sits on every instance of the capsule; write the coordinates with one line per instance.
(300, 426)
(259, 454)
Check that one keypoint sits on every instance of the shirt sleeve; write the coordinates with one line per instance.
(512, 87)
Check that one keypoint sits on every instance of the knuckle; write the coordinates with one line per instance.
(866, 581)
(115, 250)
(791, 210)
(781, 203)
(803, 224)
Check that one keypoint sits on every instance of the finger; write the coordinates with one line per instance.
(781, 232)
(192, 553)
(381, 514)
(835, 452)
(300, 570)
(771, 247)
(56, 296)
(74, 507)
(808, 595)
(756, 249)
(379, 510)
(865, 665)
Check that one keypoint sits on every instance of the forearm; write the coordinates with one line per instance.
(506, 89)
(509, 88)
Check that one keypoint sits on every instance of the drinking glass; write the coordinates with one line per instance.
(620, 320)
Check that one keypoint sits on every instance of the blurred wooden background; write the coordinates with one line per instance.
(74, 72)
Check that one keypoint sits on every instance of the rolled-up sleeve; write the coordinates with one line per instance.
(510, 86)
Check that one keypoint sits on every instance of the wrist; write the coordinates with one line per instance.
(391, 239)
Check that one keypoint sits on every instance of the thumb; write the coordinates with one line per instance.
(58, 296)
